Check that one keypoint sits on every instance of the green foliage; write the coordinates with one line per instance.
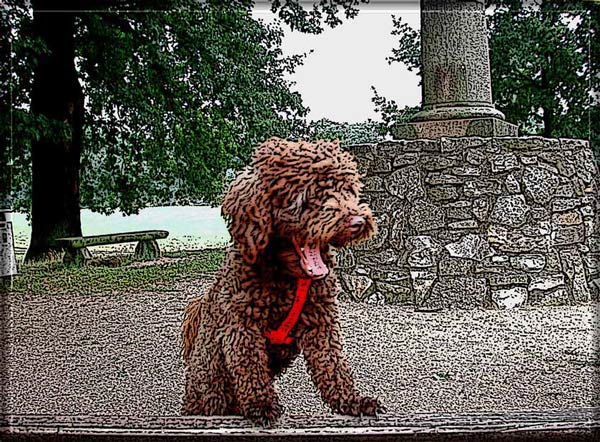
(196, 91)
(544, 61)
(539, 63)
(175, 98)
(390, 112)
(18, 53)
(409, 53)
(348, 133)
(409, 45)
(300, 18)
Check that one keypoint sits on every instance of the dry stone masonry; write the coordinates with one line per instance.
(467, 222)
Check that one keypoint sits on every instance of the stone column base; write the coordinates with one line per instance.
(469, 127)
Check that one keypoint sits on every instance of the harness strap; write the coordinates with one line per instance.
(280, 335)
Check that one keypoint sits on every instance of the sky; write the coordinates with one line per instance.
(336, 78)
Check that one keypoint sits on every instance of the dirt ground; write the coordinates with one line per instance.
(118, 354)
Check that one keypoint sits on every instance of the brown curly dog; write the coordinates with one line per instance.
(275, 294)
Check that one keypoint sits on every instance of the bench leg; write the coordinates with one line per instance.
(76, 257)
(146, 250)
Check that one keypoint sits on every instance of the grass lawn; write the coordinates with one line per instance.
(116, 273)
(195, 247)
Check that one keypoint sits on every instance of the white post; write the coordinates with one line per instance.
(8, 262)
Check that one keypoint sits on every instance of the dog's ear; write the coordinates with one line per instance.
(246, 208)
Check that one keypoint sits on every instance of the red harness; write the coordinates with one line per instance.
(281, 334)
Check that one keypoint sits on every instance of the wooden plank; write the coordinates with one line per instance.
(569, 424)
(114, 238)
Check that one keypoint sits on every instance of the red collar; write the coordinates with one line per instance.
(280, 335)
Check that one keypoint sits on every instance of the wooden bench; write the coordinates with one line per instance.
(76, 247)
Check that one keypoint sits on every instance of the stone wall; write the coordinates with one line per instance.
(477, 222)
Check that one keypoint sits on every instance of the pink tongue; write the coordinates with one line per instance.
(312, 263)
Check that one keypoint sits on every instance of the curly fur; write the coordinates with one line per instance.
(290, 194)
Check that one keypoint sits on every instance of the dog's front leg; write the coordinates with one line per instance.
(330, 372)
(247, 362)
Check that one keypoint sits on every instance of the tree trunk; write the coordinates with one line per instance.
(56, 158)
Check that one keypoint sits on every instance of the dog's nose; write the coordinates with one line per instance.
(357, 222)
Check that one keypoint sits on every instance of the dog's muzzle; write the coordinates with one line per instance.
(356, 225)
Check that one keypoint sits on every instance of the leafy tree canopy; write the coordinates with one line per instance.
(176, 93)
(347, 133)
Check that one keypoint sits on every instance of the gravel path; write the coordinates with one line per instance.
(118, 354)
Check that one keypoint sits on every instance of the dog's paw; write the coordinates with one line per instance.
(371, 406)
(361, 406)
(263, 413)
(208, 406)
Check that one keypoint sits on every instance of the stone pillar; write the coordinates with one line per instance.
(456, 90)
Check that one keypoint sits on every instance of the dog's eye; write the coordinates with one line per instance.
(351, 190)
(296, 205)
(331, 205)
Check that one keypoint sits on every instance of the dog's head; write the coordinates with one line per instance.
(305, 193)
